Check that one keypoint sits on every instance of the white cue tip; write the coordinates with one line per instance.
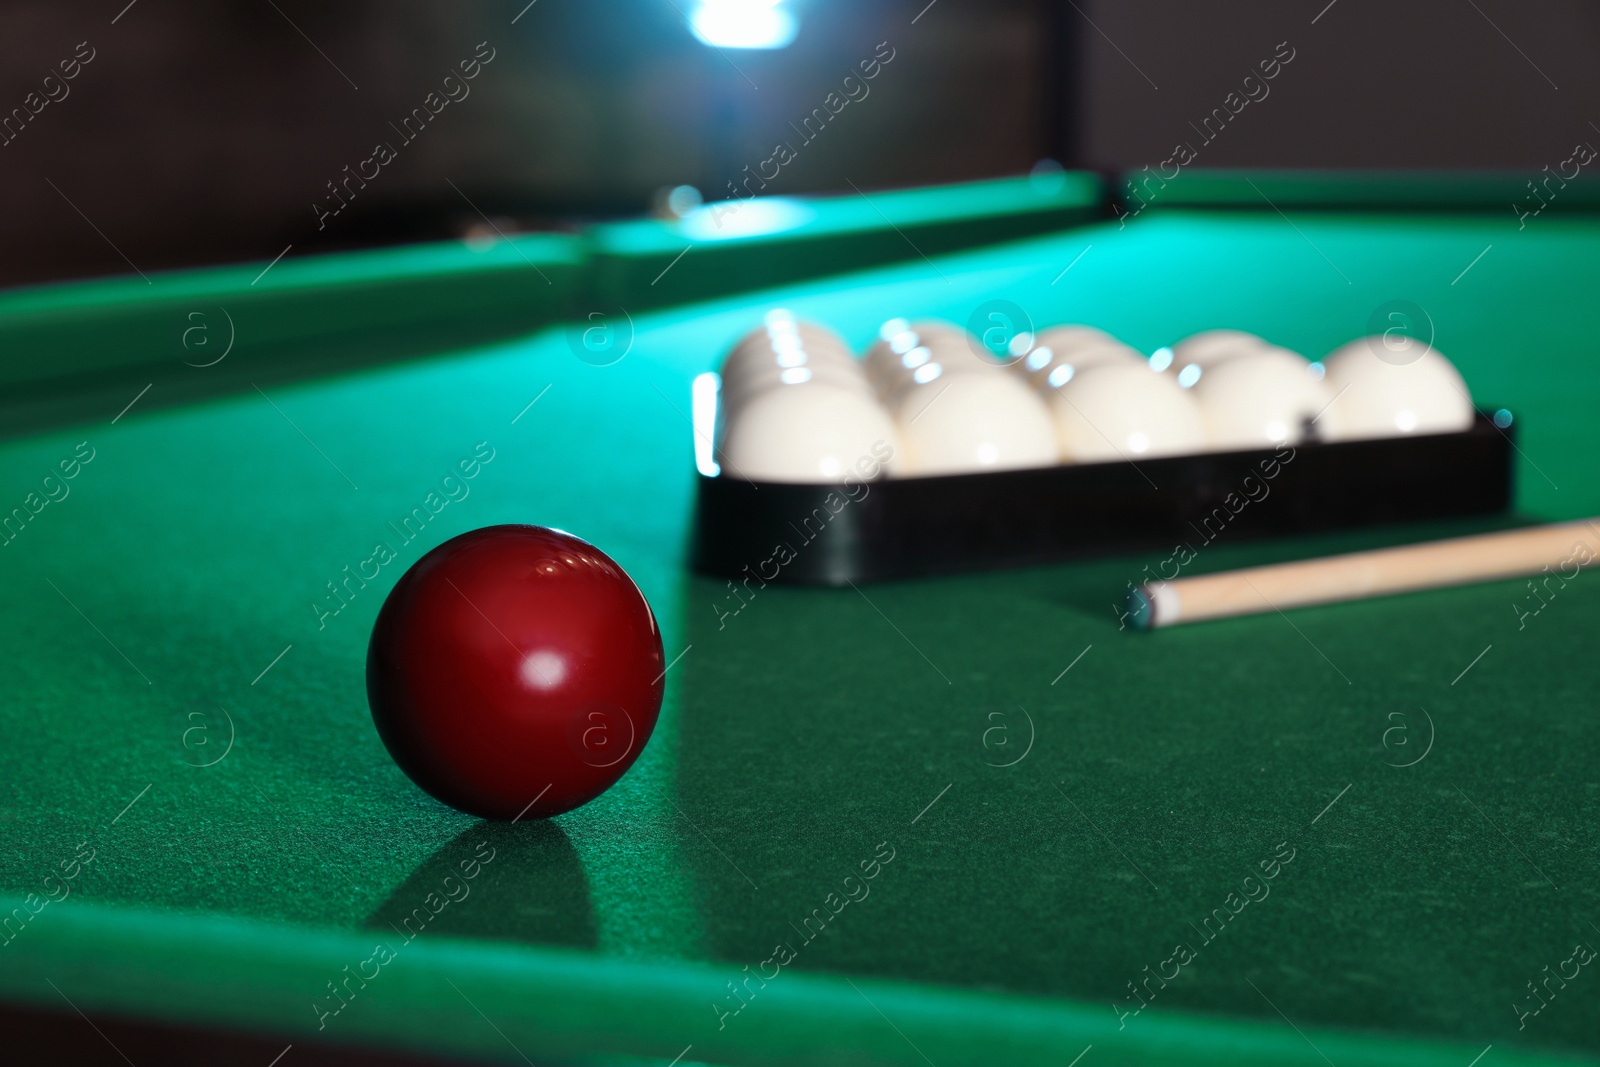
(1152, 604)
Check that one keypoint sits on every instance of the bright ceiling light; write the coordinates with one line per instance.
(743, 24)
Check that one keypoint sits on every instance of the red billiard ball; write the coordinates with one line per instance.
(515, 671)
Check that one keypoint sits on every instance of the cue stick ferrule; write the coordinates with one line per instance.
(1151, 605)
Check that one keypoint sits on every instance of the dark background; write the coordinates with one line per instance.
(204, 132)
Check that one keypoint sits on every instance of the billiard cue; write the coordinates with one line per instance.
(1360, 575)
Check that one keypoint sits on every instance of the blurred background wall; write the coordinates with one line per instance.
(201, 133)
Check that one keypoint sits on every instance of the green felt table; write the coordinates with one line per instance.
(1047, 805)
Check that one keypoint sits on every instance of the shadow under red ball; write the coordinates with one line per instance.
(515, 671)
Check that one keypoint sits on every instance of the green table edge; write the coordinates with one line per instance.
(1157, 186)
(727, 247)
(455, 294)
(67, 329)
(234, 973)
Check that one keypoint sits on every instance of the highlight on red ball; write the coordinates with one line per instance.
(515, 672)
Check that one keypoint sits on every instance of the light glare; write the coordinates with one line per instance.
(743, 24)
(703, 403)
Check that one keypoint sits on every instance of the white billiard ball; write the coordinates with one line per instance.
(779, 358)
(1213, 346)
(938, 331)
(1289, 354)
(1061, 340)
(1124, 410)
(895, 339)
(1051, 367)
(1262, 399)
(958, 423)
(1411, 388)
(812, 433)
(781, 321)
(1188, 375)
(781, 332)
(739, 391)
(1205, 349)
(760, 354)
(1069, 338)
(903, 346)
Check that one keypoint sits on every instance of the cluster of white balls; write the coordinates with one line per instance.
(798, 406)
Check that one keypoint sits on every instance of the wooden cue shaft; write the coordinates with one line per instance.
(1430, 565)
